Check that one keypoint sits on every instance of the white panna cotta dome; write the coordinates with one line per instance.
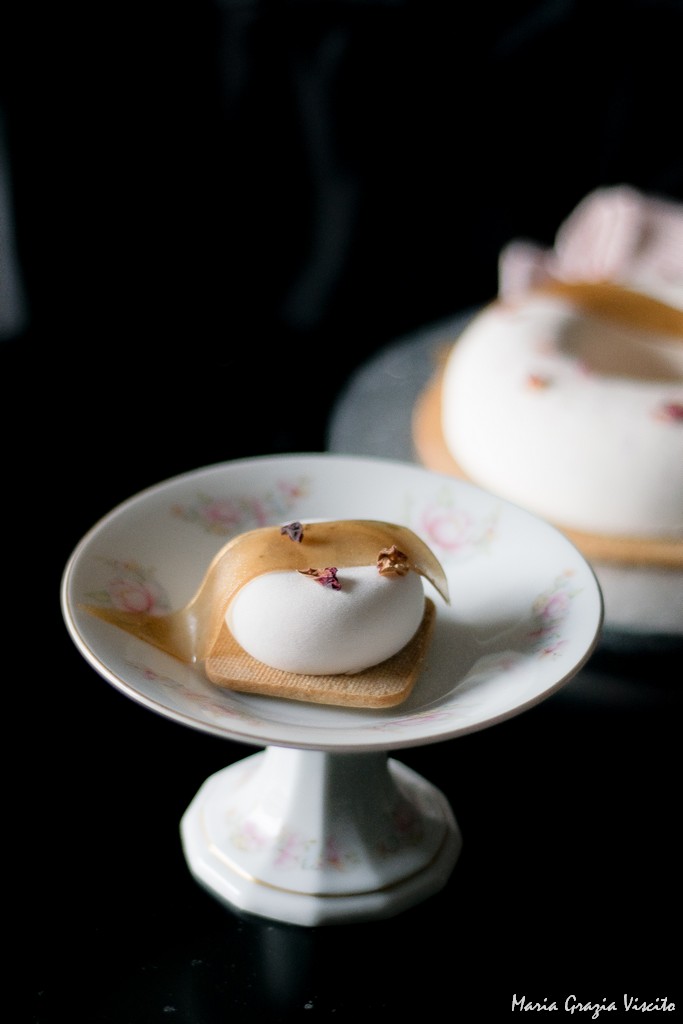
(289, 621)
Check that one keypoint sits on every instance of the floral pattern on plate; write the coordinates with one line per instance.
(451, 529)
(130, 587)
(231, 514)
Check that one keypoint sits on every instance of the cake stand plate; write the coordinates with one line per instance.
(320, 825)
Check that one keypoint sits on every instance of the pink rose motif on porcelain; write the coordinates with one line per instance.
(453, 530)
(408, 721)
(290, 492)
(151, 675)
(334, 856)
(134, 596)
(227, 516)
(249, 837)
(224, 515)
(549, 610)
(295, 851)
(132, 588)
(554, 607)
(217, 709)
(405, 829)
(670, 412)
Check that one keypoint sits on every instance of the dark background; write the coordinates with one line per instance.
(216, 212)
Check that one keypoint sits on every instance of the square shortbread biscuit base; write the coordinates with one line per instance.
(382, 686)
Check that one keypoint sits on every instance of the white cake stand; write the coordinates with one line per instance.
(320, 825)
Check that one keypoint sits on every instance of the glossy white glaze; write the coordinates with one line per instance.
(574, 418)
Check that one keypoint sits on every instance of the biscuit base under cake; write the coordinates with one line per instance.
(382, 686)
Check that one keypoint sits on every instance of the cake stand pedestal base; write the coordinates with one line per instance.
(311, 838)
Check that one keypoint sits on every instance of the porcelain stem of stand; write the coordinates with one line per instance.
(312, 837)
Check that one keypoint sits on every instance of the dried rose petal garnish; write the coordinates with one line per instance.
(325, 577)
(672, 411)
(536, 382)
(294, 531)
(392, 562)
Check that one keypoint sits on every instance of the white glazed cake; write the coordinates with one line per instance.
(574, 415)
(564, 395)
(286, 621)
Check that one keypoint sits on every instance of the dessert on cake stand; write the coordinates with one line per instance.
(320, 825)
